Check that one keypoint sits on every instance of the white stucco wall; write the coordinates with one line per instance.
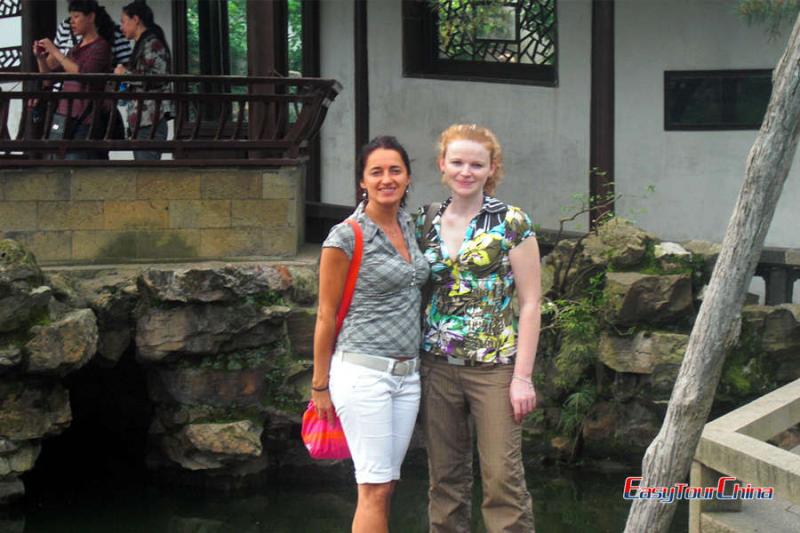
(697, 175)
(11, 35)
(338, 145)
(10, 31)
(544, 130)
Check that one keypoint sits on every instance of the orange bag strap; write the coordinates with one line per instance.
(352, 275)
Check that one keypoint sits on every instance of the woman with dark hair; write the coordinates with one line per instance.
(92, 55)
(150, 56)
(369, 374)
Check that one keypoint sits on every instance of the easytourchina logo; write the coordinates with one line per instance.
(727, 488)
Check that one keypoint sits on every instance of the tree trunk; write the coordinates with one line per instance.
(669, 456)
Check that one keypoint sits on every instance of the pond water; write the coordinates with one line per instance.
(573, 500)
(92, 479)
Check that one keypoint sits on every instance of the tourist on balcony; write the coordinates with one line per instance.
(92, 23)
(477, 355)
(368, 375)
(66, 40)
(150, 56)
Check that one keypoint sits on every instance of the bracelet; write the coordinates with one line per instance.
(319, 389)
(520, 378)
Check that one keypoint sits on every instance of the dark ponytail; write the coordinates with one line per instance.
(102, 20)
(139, 8)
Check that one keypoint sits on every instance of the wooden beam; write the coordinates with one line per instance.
(180, 57)
(39, 20)
(267, 55)
(312, 68)
(601, 128)
(361, 84)
(267, 36)
(212, 15)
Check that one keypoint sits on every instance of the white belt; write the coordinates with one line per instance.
(395, 367)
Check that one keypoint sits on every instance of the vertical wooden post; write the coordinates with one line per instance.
(601, 128)
(39, 20)
(180, 57)
(267, 55)
(361, 79)
(312, 69)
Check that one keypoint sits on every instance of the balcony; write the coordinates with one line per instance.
(256, 120)
(231, 185)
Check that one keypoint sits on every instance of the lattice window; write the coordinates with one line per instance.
(512, 41)
(10, 58)
(10, 8)
(499, 31)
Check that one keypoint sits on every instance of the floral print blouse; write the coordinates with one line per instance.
(470, 315)
(150, 56)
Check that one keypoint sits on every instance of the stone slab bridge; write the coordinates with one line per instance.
(743, 445)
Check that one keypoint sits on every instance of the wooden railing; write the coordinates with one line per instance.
(216, 118)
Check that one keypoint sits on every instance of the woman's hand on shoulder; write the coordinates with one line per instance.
(523, 398)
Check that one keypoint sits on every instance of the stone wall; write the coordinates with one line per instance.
(42, 338)
(93, 215)
(618, 313)
(224, 348)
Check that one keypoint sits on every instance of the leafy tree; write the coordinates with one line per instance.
(237, 36)
(295, 36)
(772, 13)
(193, 37)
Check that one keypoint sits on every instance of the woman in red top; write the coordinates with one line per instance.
(92, 54)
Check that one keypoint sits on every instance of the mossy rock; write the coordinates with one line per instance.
(672, 258)
(635, 298)
(644, 352)
(618, 243)
(17, 263)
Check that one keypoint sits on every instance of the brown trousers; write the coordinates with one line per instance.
(449, 395)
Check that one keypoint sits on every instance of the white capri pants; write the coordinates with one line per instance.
(378, 411)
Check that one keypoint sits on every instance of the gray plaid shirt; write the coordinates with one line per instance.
(384, 315)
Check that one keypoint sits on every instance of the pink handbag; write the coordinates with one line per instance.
(325, 440)
(322, 439)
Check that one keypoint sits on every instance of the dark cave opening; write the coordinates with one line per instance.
(106, 443)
